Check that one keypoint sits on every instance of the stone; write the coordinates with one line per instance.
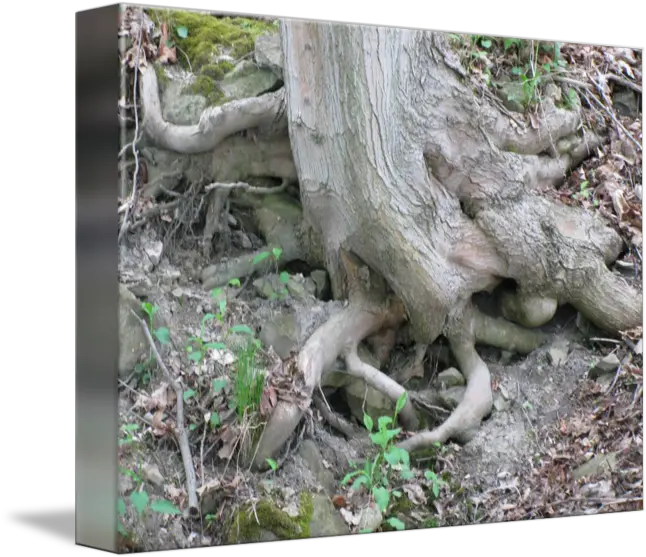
(607, 365)
(500, 404)
(269, 54)
(450, 377)
(558, 352)
(512, 95)
(133, 345)
(320, 278)
(311, 454)
(450, 398)
(625, 102)
(326, 520)
(281, 333)
(247, 80)
(596, 465)
(370, 518)
(152, 474)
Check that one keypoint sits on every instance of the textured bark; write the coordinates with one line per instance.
(401, 164)
(437, 191)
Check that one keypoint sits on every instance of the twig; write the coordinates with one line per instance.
(604, 501)
(247, 187)
(154, 211)
(202, 453)
(614, 119)
(620, 367)
(610, 340)
(179, 430)
(133, 197)
(623, 82)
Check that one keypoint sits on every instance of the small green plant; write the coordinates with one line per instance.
(140, 501)
(197, 345)
(584, 192)
(249, 381)
(144, 370)
(275, 254)
(272, 464)
(162, 334)
(390, 462)
(127, 431)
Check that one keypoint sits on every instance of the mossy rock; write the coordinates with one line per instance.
(317, 517)
(209, 36)
(210, 48)
(208, 88)
(244, 527)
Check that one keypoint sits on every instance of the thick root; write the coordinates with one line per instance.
(503, 334)
(384, 384)
(465, 420)
(527, 310)
(343, 330)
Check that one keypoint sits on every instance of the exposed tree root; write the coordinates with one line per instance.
(369, 311)
(216, 123)
(384, 384)
(465, 420)
(504, 334)
(335, 421)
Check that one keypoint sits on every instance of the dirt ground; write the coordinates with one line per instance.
(549, 418)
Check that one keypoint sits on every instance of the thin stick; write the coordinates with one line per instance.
(179, 430)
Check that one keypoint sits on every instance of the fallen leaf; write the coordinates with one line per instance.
(159, 427)
(339, 501)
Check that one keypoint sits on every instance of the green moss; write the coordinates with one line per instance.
(245, 528)
(208, 88)
(217, 71)
(206, 38)
(209, 36)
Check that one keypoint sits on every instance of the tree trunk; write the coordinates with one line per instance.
(438, 192)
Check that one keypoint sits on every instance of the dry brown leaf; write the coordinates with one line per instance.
(159, 427)
(167, 55)
(159, 397)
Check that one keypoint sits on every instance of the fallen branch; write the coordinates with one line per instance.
(179, 430)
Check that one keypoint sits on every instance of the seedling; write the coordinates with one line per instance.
(127, 431)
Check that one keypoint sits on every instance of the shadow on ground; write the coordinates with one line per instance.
(60, 523)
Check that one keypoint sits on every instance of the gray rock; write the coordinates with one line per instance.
(558, 352)
(320, 278)
(450, 398)
(310, 453)
(500, 404)
(370, 518)
(607, 365)
(154, 251)
(133, 345)
(152, 474)
(625, 102)
(281, 333)
(450, 377)
(247, 80)
(326, 520)
(181, 109)
(269, 53)
(596, 465)
(512, 95)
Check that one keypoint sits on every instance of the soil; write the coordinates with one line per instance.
(534, 396)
